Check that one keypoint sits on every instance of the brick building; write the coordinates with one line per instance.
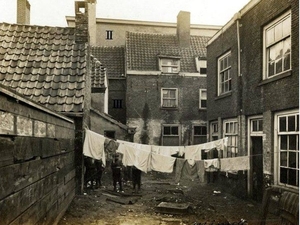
(253, 99)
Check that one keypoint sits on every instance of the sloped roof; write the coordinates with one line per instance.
(143, 49)
(46, 65)
(112, 58)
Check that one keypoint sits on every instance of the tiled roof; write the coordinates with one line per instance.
(142, 50)
(45, 64)
(113, 58)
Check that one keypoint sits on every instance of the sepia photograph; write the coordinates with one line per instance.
(170, 112)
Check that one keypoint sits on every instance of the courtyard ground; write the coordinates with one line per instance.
(162, 202)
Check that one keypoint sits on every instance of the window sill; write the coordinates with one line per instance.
(277, 77)
(169, 108)
(202, 109)
(223, 95)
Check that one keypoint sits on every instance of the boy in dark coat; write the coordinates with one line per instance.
(116, 167)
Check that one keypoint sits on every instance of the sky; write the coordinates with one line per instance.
(53, 12)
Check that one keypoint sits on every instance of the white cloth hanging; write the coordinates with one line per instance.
(93, 146)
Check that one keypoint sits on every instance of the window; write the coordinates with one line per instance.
(201, 65)
(224, 78)
(117, 103)
(202, 98)
(171, 135)
(169, 97)
(256, 125)
(214, 131)
(199, 134)
(288, 144)
(277, 46)
(231, 131)
(109, 35)
(169, 65)
(110, 134)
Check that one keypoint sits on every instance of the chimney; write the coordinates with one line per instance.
(23, 12)
(81, 22)
(91, 7)
(183, 29)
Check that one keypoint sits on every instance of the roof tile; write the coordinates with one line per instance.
(44, 64)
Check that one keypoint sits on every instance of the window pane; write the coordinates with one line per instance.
(292, 177)
(283, 175)
(293, 142)
(292, 160)
(271, 68)
(286, 26)
(283, 158)
(260, 125)
(270, 36)
(172, 93)
(297, 129)
(254, 125)
(283, 142)
(203, 104)
(167, 130)
(174, 130)
(291, 123)
(278, 31)
(282, 124)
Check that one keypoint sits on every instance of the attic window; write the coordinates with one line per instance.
(201, 65)
(109, 35)
(169, 64)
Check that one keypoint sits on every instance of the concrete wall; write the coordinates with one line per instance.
(37, 165)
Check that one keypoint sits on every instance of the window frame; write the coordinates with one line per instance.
(109, 35)
(171, 135)
(214, 132)
(162, 98)
(117, 104)
(221, 73)
(201, 98)
(201, 135)
(266, 47)
(277, 137)
(171, 66)
(231, 136)
(201, 63)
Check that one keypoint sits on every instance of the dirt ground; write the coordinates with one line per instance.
(192, 203)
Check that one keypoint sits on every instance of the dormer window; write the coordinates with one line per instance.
(201, 65)
(169, 64)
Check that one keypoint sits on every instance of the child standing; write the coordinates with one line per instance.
(116, 167)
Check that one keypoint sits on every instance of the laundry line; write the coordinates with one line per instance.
(158, 158)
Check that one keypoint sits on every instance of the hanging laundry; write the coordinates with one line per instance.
(201, 171)
(93, 146)
(162, 163)
(211, 165)
(168, 150)
(192, 153)
(178, 168)
(235, 163)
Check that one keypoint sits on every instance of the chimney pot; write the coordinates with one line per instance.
(23, 12)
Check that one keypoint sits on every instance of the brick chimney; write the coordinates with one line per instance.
(23, 12)
(81, 22)
(91, 7)
(183, 29)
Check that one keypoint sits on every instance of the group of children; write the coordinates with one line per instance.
(116, 167)
(95, 168)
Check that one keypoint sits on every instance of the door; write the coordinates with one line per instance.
(257, 167)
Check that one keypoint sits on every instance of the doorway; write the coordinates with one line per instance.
(257, 167)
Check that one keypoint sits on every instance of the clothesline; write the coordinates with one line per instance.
(159, 158)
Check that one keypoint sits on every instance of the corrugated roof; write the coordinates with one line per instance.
(142, 50)
(112, 58)
(46, 65)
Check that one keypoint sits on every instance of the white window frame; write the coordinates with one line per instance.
(201, 63)
(169, 98)
(171, 135)
(232, 137)
(221, 72)
(277, 146)
(214, 129)
(201, 135)
(202, 97)
(171, 64)
(276, 42)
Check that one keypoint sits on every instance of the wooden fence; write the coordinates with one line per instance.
(37, 170)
